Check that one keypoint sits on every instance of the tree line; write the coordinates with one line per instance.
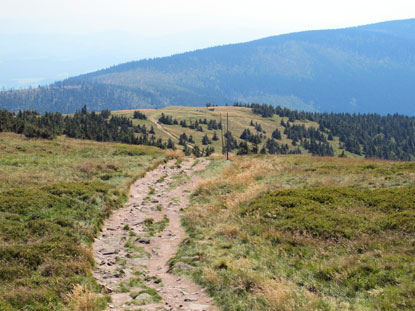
(102, 127)
(390, 137)
(69, 98)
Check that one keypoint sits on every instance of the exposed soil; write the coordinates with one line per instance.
(137, 241)
(161, 128)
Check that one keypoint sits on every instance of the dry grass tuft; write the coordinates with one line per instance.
(206, 184)
(217, 156)
(210, 276)
(230, 231)
(276, 294)
(174, 154)
(82, 299)
(282, 295)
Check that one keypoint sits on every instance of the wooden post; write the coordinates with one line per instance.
(227, 136)
(221, 134)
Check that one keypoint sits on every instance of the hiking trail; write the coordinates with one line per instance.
(133, 250)
(161, 128)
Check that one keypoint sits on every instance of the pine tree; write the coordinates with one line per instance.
(276, 134)
(206, 140)
(187, 150)
(105, 113)
(139, 115)
(183, 139)
(196, 151)
(258, 127)
(170, 144)
(209, 150)
(246, 135)
(243, 148)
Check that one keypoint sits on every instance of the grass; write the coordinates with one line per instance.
(55, 196)
(214, 168)
(239, 119)
(133, 250)
(161, 179)
(303, 233)
(265, 232)
(152, 227)
(136, 287)
(178, 180)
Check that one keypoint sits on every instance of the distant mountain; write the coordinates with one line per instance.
(361, 69)
(34, 59)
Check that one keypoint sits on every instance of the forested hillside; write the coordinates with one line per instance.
(68, 99)
(252, 129)
(361, 69)
(82, 125)
(372, 135)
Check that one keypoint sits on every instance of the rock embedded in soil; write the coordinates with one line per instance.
(183, 265)
(144, 241)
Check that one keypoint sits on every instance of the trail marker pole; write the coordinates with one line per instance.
(227, 136)
(221, 134)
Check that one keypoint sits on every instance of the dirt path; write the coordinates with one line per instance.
(161, 128)
(137, 241)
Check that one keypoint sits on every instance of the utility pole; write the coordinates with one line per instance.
(221, 134)
(227, 136)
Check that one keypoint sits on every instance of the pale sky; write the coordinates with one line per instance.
(47, 40)
(153, 18)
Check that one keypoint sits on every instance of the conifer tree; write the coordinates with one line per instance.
(206, 140)
(276, 134)
(196, 151)
(243, 148)
(170, 144)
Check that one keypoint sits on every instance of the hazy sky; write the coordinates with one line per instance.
(46, 40)
(231, 20)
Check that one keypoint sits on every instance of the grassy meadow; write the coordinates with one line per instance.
(286, 232)
(239, 120)
(54, 196)
(303, 233)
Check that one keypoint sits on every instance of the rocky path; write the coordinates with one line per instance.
(137, 241)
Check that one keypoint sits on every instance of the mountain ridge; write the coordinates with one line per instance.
(359, 69)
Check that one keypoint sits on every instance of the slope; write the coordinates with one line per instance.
(55, 196)
(360, 69)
